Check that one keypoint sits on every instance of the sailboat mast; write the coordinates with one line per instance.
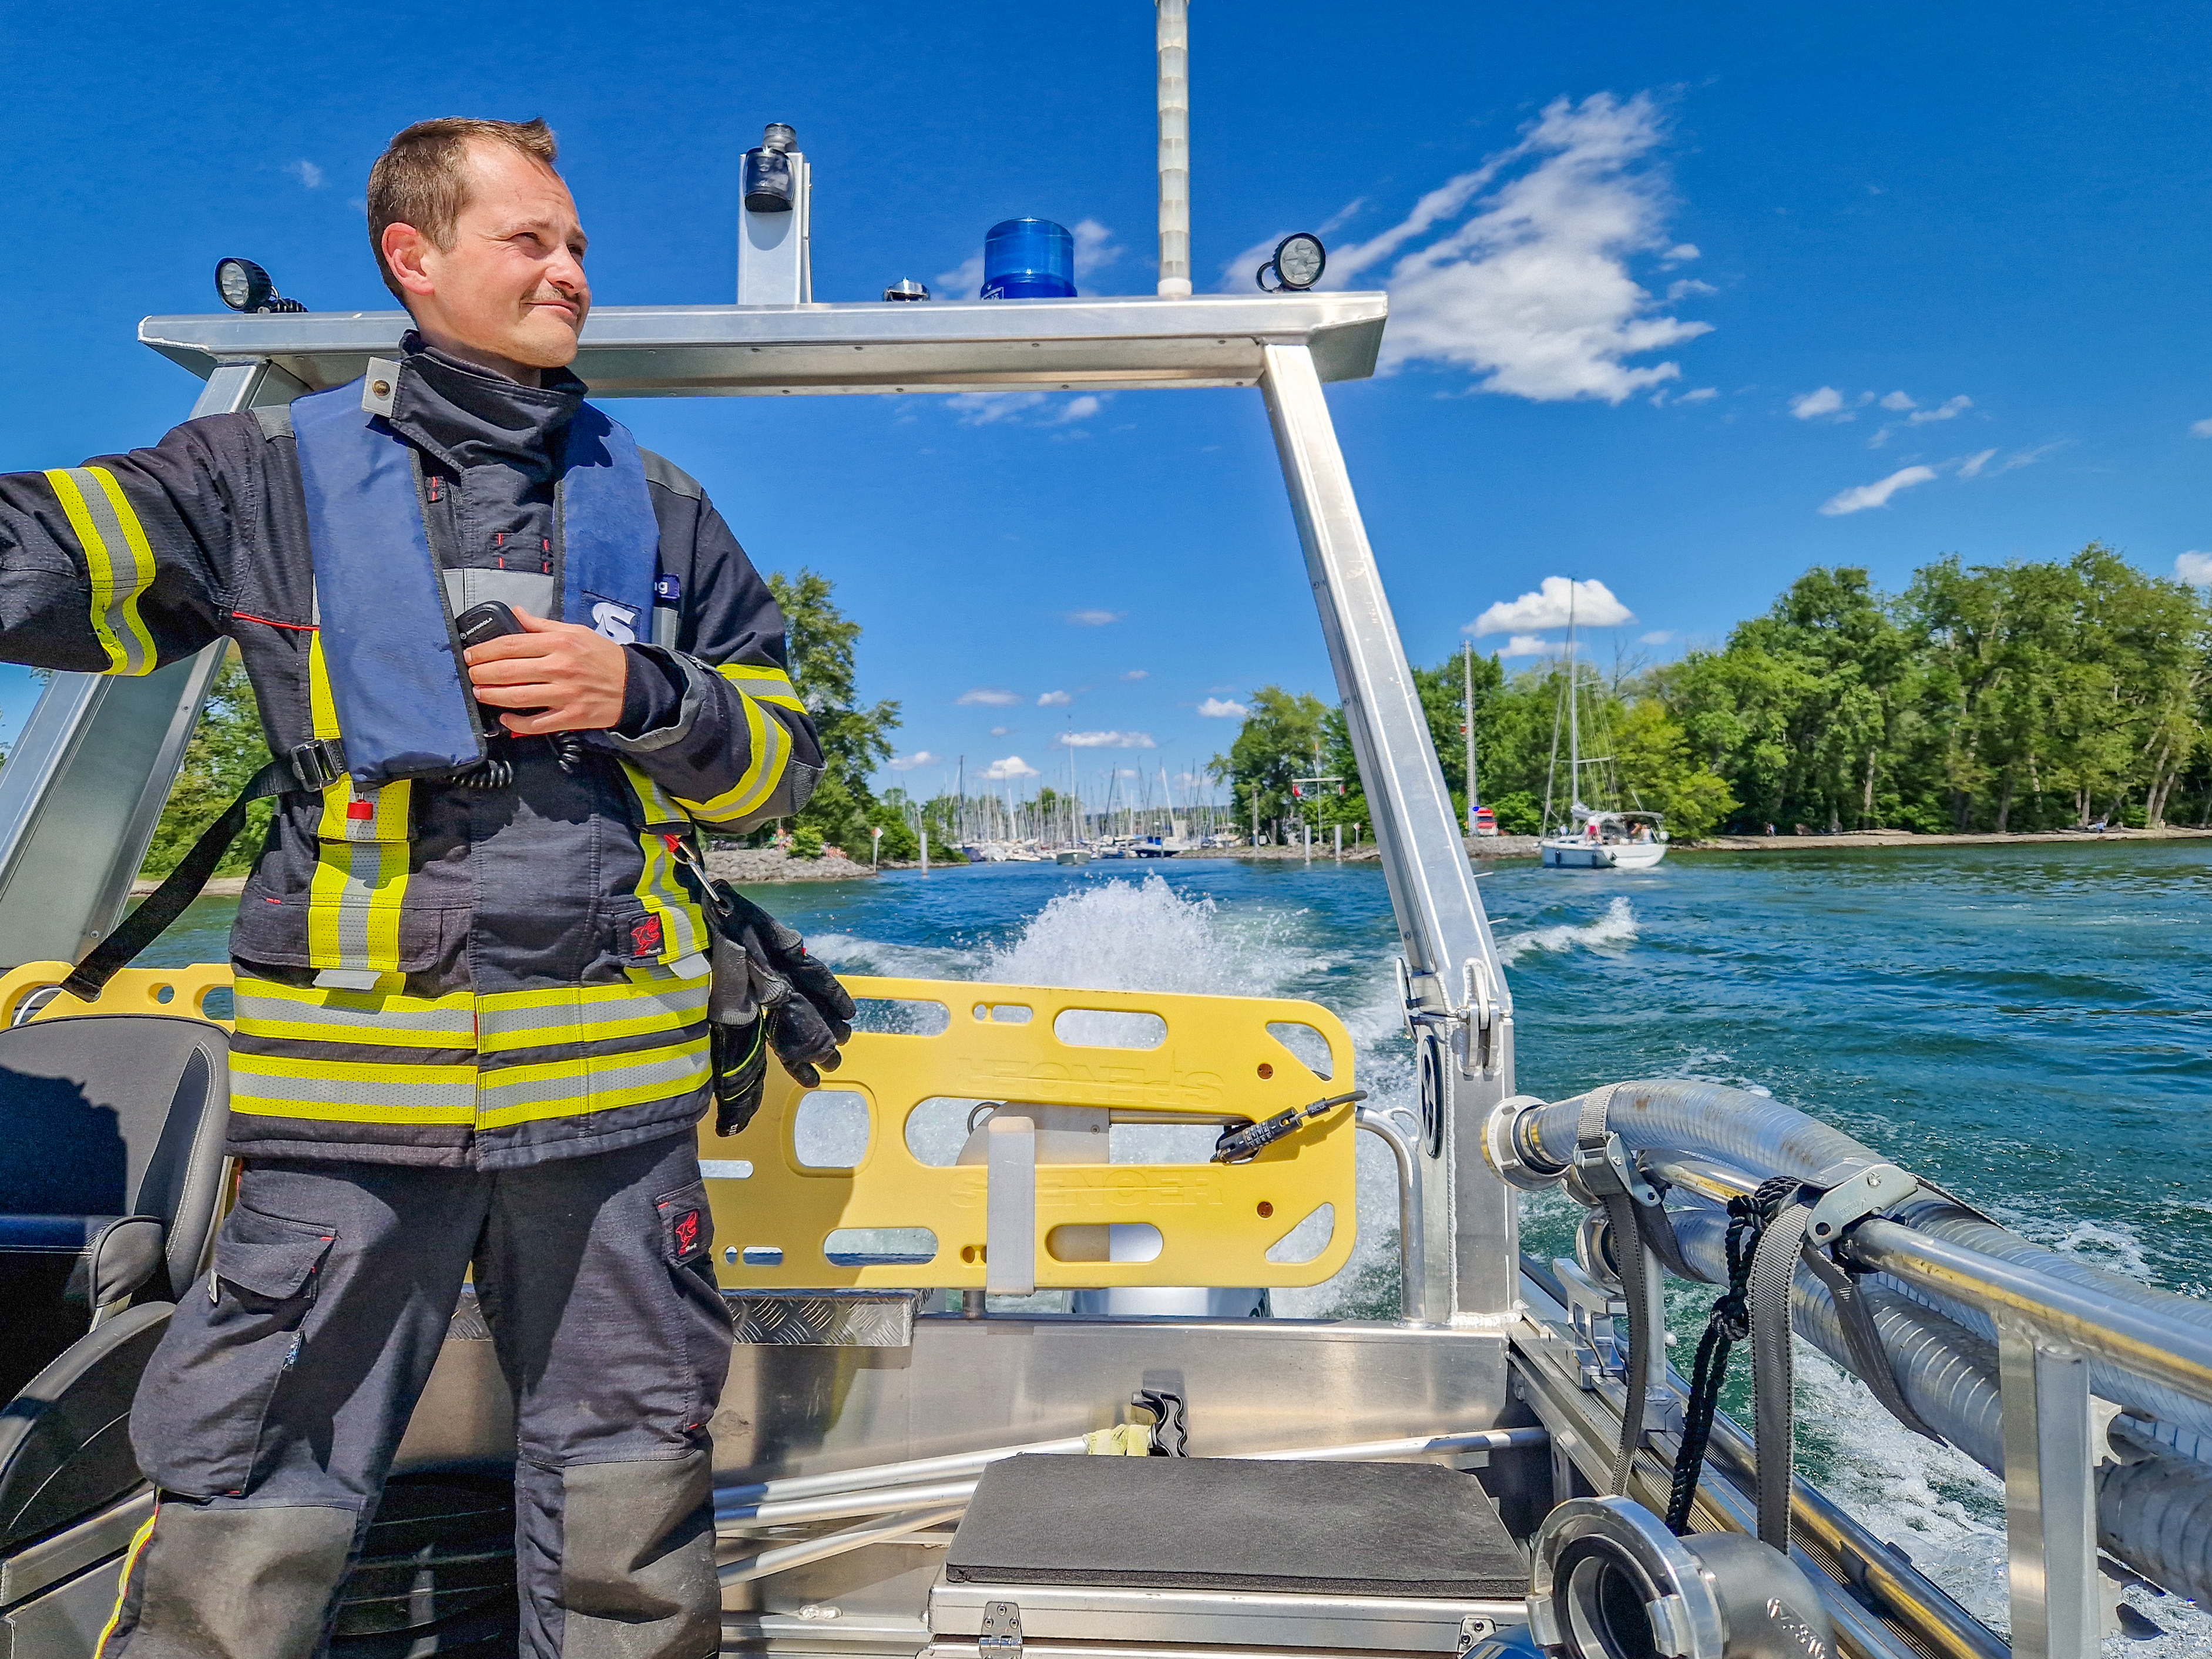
(1467, 714)
(1574, 709)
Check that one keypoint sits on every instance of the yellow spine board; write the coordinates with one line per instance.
(1217, 1222)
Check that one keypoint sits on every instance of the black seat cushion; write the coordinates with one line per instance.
(1411, 1529)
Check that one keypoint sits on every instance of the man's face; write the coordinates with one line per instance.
(512, 289)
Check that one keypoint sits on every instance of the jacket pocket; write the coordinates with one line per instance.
(273, 931)
(197, 1425)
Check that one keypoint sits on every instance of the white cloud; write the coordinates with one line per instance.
(1897, 403)
(1657, 636)
(1007, 771)
(1876, 493)
(307, 172)
(2200, 429)
(1105, 740)
(963, 282)
(1223, 709)
(1095, 248)
(1093, 618)
(1591, 601)
(1973, 466)
(1948, 411)
(1526, 645)
(988, 696)
(2194, 568)
(1703, 394)
(1055, 700)
(1681, 251)
(920, 757)
(1138, 674)
(1004, 731)
(1687, 286)
(1530, 288)
(2028, 457)
(1812, 405)
(1023, 408)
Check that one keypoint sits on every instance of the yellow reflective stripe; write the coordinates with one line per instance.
(769, 684)
(122, 1583)
(360, 869)
(514, 1020)
(266, 1008)
(118, 558)
(352, 1090)
(528, 1094)
(771, 750)
(322, 707)
(354, 904)
(683, 926)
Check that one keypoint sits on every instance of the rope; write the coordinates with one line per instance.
(1728, 1323)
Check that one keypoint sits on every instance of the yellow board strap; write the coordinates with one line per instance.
(118, 558)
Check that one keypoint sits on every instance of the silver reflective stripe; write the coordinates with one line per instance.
(257, 1012)
(129, 573)
(525, 590)
(671, 1072)
(385, 1092)
(676, 1003)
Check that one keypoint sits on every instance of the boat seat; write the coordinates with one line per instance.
(111, 1167)
(1237, 1525)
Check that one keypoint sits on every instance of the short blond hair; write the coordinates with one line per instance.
(422, 178)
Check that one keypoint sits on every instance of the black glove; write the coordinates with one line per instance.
(808, 1013)
(739, 1054)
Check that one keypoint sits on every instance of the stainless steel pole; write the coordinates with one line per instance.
(1473, 1258)
(1174, 46)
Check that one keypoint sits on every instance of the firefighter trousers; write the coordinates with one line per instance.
(270, 1413)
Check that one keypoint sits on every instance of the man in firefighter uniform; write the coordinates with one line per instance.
(471, 964)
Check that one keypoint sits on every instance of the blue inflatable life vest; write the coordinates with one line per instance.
(396, 674)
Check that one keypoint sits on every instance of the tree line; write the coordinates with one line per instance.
(2034, 695)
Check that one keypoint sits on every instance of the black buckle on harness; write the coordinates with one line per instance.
(316, 765)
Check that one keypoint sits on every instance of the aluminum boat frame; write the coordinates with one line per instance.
(1496, 1364)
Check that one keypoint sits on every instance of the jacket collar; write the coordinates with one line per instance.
(471, 416)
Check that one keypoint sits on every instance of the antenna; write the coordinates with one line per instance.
(1175, 148)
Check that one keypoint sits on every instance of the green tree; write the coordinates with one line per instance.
(1277, 744)
(855, 737)
(226, 750)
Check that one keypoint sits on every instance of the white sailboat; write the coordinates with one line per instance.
(1594, 838)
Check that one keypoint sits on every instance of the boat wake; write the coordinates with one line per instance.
(1609, 934)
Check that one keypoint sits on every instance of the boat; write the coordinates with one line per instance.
(1072, 855)
(1592, 838)
(913, 1455)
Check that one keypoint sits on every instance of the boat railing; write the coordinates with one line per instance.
(2097, 1392)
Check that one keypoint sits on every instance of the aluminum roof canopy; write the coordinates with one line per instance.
(973, 345)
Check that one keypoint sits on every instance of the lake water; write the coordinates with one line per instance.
(2029, 1026)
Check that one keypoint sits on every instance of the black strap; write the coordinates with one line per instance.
(1773, 1366)
(1728, 1323)
(1621, 1208)
(1847, 1290)
(310, 767)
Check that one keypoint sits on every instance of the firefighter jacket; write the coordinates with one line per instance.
(440, 969)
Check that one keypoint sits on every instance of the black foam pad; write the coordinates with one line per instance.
(1411, 1529)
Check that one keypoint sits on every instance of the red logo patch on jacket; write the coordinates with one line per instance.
(687, 1231)
(645, 937)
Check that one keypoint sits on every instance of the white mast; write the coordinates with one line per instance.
(1175, 148)
(1466, 669)
(1574, 727)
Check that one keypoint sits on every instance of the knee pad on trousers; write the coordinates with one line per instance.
(232, 1583)
(616, 1560)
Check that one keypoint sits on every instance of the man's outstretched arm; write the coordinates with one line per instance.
(108, 567)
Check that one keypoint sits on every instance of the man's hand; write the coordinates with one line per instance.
(572, 677)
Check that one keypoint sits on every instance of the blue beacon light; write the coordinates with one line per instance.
(1029, 260)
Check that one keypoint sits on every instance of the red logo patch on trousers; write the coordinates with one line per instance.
(687, 1231)
(645, 937)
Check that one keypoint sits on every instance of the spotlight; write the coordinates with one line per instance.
(244, 286)
(1298, 263)
(907, 288)
(765, 181)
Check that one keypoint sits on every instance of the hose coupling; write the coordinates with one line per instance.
(1505, 1146)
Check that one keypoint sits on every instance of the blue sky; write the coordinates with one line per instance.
(1666, 284)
